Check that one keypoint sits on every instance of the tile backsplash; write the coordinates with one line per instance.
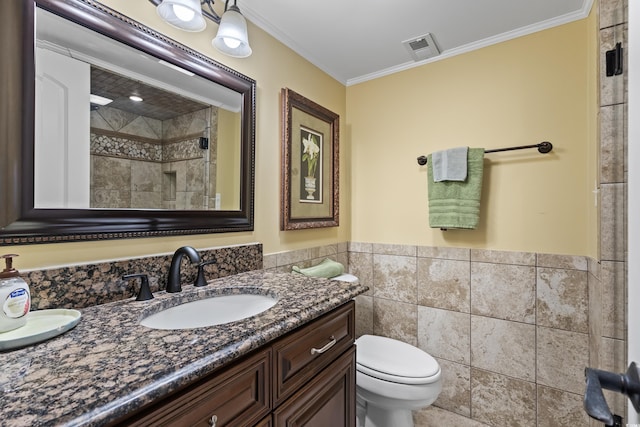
(92, 284)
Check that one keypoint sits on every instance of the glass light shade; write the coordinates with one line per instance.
(183, 14)
(232, 38)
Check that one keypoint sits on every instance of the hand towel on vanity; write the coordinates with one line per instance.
(456, 204)
(450, 165)
(326, 269)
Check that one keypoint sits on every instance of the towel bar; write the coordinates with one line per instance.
(544, 147)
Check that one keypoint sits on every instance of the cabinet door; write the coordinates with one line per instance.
(266, 422)
(327, 400)
(238, 396)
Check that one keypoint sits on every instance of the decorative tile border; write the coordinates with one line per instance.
(125, 147)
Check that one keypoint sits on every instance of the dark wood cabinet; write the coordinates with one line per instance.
(327, 400)
(305, 378)
(238, 396)
(307, 351)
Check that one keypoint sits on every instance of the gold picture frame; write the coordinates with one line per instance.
(310, 160)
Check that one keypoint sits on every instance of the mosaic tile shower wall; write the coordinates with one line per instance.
(141, 162)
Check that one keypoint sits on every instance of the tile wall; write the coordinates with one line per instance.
(607, 280)
(283, 261)
(512, 331)
(509, 329)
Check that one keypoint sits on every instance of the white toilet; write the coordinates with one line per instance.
(392, 379)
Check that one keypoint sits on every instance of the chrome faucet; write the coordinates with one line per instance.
(173, 282)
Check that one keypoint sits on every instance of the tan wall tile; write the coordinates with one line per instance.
(612, 276)
(293, 257)
(394, 278)
(612, 222)
(456, 388)
(460, 254)
(361, 266)
(560, 408)
(568, 262)
(499, 400)
(395, 320)
(613, 89)
(269, 261)
(342, 258)
(595, 319)
(612, 143)
(364, 315)
(326, 251)
(503, 257)
(360, 247)
(562, 299)
(444, 334)
(613, 359)
(503, 347)
(613, 12)
(562, 357)
(492, 285)
(387, 249)
(444, 284)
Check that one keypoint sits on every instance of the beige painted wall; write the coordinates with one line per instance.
(273, 66)
(540, 87)
(228, 170)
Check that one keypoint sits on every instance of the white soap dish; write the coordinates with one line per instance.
(41, 325)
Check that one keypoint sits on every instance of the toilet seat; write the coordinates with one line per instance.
(395, 361)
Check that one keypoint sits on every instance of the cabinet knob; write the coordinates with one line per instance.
(213, 420)
(330, 344)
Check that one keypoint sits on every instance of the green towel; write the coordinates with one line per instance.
(456, 204)
(326, 269)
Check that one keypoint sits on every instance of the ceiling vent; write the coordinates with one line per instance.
(422, 47)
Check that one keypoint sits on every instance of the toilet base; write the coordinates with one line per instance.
(373, 416)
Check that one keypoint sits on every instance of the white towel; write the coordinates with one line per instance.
(450, 165)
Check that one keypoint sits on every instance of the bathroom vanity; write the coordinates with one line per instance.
(309, 375)
(294, 362)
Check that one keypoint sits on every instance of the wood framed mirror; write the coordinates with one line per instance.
(33, 210)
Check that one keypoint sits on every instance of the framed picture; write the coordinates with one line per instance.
(310, 156)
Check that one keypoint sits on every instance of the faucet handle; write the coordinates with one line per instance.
(201, 280)
(144, 293)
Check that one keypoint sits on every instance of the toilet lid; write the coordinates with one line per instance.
(394, 360)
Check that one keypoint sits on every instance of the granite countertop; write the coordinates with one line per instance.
(109, 365)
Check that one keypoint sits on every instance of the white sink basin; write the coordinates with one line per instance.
(209, 312)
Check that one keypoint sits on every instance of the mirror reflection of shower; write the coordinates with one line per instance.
(129, 134)
(157, 153)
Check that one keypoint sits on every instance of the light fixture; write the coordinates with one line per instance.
(183, 14)
(135, 98)
(99, 100)
(232, 38)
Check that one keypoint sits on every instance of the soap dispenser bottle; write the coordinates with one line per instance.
(15, 298)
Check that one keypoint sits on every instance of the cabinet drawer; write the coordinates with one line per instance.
(328, 400)
(303, 353)
(238, 396)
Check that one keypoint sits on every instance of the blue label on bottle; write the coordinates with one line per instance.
(17, 293)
